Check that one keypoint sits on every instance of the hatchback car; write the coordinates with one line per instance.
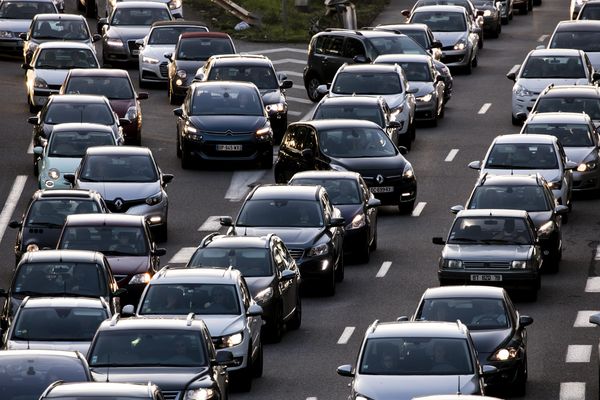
(568, 98)
(581, 35)
(130, 182)
(493, 247)
(349, 145)
(15, 19)
(270, 271)
(223, 121)
(420, 33)
(103, 391)
(498, 331)
(590, 10)
(221, 297)
(411, 359)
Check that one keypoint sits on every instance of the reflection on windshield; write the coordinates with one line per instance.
(522, 156)
(367, 83)
(344, 111)
(560, 67)
(74, 324)
(95, 113)
(82, 279)
(199, 49)
(113, 87)
(113, 168)
(416, 71)
(75, 144)
(228, 100)
(65, 59)
(588, 41)
(139, 16)
(441, 21)
(529, 198)
(399, 44)
(569, 135)
(281, 212)
(51, 213)
(60, 29)
(490, 230)
(588, 105)
(110, 240)
(251, 262)
(340, 191)
(25, 9)
(182, 299)
(263, 77)
(170, 34)
(356, 143)
(477, 314)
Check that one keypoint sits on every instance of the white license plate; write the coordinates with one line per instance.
(135, 52)
(229, 147)
(381, 189)
(486, 278)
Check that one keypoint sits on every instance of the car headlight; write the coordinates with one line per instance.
(154, 199)
(264, 295)
(555, 185)
(263, 133)
(426, 98)
(114, 42)
(588, 166)
(487, 13)
(173, 4)
(32, 247)
(149, 60)
(521, 91)
(337, 167)
(519, 264)
(408, 171)
(358, 221)
(140, 278)
(232, 340)
(131, 113)
(505, 354)
(318, 250)
(39, 83)
(53, 173)
(181, 74)
(6, 35)
(276, 107)
(453, 264)
(199, 394)
(460, 45)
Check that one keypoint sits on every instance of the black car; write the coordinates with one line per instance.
(349, 145)
(223, 120)
(102, 391)
(532, 194)
(44, 217)
(497, 329)
(259, 70)
(310, 226)
(492, 16)
(269, 270)
(191, 52)
(349, 193)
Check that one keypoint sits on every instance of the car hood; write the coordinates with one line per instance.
(537, 85)
(158, 51)
(121, 106)
(398, 387)
(133, 32)
(167, 378)
(50, 345)
(423, 88)
(292, 237)
(223, 123)
(551, 175)
(449, 38)
(486, 252)
(594, 57)
(578, 154)
(65, 165)
(52, 76)
(349, 211)
(489, 340)
(15, 25)
(125, 190)
(271, 96)
(394, 100)
(220, 325)
(366, 166)
(258, 283)
(540, 217)
(189, 66)
(128, 265)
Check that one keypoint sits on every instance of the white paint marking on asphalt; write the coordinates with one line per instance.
(577, 353)
(30, 148)
(241, 182)
(289, 61)
(597, 255)
(543, 38)
(418, 208)
(384, 269)
(211, 224)
(593, 285)
(572, 391)
(583, 319)
(299, 100)
(293, 73)
(11, 203)
(348, 331)
(277, 50)
(311, 398)
(451, 155)
(484, 108)
(294, 113)
(182, 256)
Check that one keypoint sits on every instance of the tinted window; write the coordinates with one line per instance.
(237, 100)
(170, 34)
(110, 240)
(522, 156)
(329, 45)
(589, 12)
(419, 37)
(139, 16)
(199, 49)
(74, 144)
(118, 168)
(441, 21)
(65, 59)
(416, 71)
(490, 230)
(538, 67)
(528, 198)
(113, 87)
(367, 83)
(25, 9)
(340, 191)
(182, 299)
(95, 113)
(84, 279)
(569, 135)
(581, 40)
(477, 314)
(588, 105)
(251, 262)
(281, 212)
(60, 29)
(398, 44)
(356, 143)
(371, 113)
(262, 77)
(50, 212)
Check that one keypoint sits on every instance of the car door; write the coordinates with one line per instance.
(285, 286)
(254, 323)
(331, 58)
(336, 232)
(353, 48)
(370, 212)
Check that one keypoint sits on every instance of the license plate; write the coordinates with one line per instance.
(135, 52)
(381, 189)
(229, 147)
(486, 278)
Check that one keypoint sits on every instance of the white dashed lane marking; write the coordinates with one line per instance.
(241, 182)
(311, 398)
(288, 61)
(583, 319)
(182, 256)
(572, 391)
(597, 255)
(299, 100)
(418, 209)
(384, 269)
(212, 223)
(451, 155)
(593, 285)
(484, 108)
(11, 203)
(293, 73)
(579, 353)
(348, 331)
(30, 148)
(294, 113)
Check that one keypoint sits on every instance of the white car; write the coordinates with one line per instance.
(50, 63)
(518, 154)
(543, 67)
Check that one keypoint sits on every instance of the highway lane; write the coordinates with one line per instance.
(303, 364)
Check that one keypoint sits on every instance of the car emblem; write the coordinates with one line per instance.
(379, 179)
(228, 133)
(118, 204)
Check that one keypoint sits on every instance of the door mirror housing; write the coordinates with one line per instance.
(119, 292)
(15, 224)
(69, 178)
(159, 251)
(596, 76)
(405, 13)
(168, 56)
(394, 124)
(167, 178)
(403, 150)
(412, 90)
(373, 202)
(26, 66)
(561, 210)
(337, 222)
(38, 150)
(286, 84)
(288, 275)
(322, 90)
(488, 370)
(124, 121)
(595, 319)
(403, 318)
(525, 320)
(23, 35)
(96, 38)
(361, 59)
(308, 154)
(3, 293)
(254, 310)
(142, 95)
(128, 311)
(34, 120)
(512, 76)
(224, 357)
(438, 240)
(345, 370)
(475, 165)
(456, 209)
(226, 221)
(178, 112)
(436, 44)
(521, 116)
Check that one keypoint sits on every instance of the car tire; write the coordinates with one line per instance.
(186, 159)
(524, 10)
(257, 365)
(374, 243)
(434, 121)
(505, 20)
(328, 285)
(266, 161)
(162, 233)
(475, 61)
(296, 320)
(178, 150)
(530, 5)
(244, 377)
(339, 271)
(406, 208)
(520, 385)
(554, 261)
(515, 121)
(363, 255)
(496, 33)
(142, 84)
(480, 43)
(531, 293)
(275, 328)
(90, 8)
(468, 69)
(311, 88)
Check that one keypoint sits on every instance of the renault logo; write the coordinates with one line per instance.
(118, 204)
(379, 179)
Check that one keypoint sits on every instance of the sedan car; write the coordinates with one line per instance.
(15, 19)
(116, 86)
(568, 98)
(498, 331)
(349, 193)
(223, 121)
(104, 391)
(349, 145)
(543, 67)
(50, 63)
(492, 16)
(493, 247)
(581, 35)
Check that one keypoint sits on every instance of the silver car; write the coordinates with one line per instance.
(15, 19)
(581, 35)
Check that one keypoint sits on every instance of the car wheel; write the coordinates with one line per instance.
(530, 5)
(520, 386)
(553, 260)
(257, 365)
(510, 16)
(186, 159)
(496, 33)
(339, 271)
(328, 284)
(475, 61)
(244, 381)
(178, 150)
(515, 121)
(374, 243)
(172, 98)
(468, 69)
(406, 208)
(434, 121)
(90, 8)
(480, 43)
(296, 320)
(505, 21)
(162, 233)
(524, 10)
(363, 255)
(275, 328)
(311, 88)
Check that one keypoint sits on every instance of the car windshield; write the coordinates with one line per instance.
(462, 3)
(263, 77)
(113, 87)
(416, 71)
(201, 48)
(418, 36)
(588, 41)
(558, 67)
(588, 105)
(60, 29)
(73, 144)
(110, 240)
(118, 168)
(25, 377)
(251, 262)
(148, 348)
(439, 21)
(227, 100)
(511, 197)
(490, 230)
(589, 11)
(475, 313)
(522, 156)
(281, 212)
(340, 191)
(95, 113)
(371, 113)
(197, 298)
(356, 142)
(56, 58)
(483, 3)
(96, 397)
(569, 135)
(396, 44)
(139, 16)
(52, 212)
(65, 278)
(416, 356)
(367, 83)
(170, 34)
(25, 9)
(72, 324)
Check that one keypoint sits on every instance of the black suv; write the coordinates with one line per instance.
(269, 270)
(60, 390)
(330, 49)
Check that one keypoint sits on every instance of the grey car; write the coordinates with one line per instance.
(581, 35)
(569, 98)
(15, 19)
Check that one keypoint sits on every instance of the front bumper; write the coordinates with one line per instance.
(584, 181)
(119, 53)
(393, 190)
(490, 23)
(240, 355)
(355, 239)
(511, 279)
(316, 268)
(507, 374)
(523, 103)
(14, 45)
(153, 72)
(427, 110)
(179, 86)
(456, 58)
(206, 147)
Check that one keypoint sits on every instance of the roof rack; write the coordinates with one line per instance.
(373, 326)
(52, 386)
(189, 319)
(114, 319)
(149, 389)
(208, 239)
(343, 30)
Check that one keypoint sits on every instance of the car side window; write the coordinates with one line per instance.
(208, 340)
(245, 293)
(562, 153)
(352, 48)
(332, 46)
(589, 65)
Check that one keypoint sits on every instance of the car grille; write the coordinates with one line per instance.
(124, 205)
(132, 46)
(164, 70)
(170, 395)
(296, 253)
(486, 264)
(228, 132)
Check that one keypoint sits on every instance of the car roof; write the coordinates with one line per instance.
(104, 219)
(578, 25)
(319, 124)
(71, 389)
(78, 98)
(228, 241)
(29, 353)
(486, 212)
(223, 83)
(68, 301)
(502, 180)
(154, 322)
(351, 100)
(366, 33)
(98, 72)
(572, 90)
(455, 397)
(274, 192)
(554, 52)
(178, 22)
(81, 126)
(417, 329)
(333, 175)
(441, 8)
(215, 275)
(414, 26)
(462, 291)
(529, 138)
(140, 4)
(558, 117)
(64, 45)
(58, 256)
(54, 17)
(188, 35)
(244, 59)
(118, 150)
(66, 193)
(368, 68)
(403, 58)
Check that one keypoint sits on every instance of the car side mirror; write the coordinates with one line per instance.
(480, 13)
(26, 66)
(308, 154)
(254, 310)
(373, 202)
(438, 240)
(23, 35)
(337, 222)
(139, 42)
(412, 90)
(403, 318)
(322, 90)
(286, 84)
(287, 275)
(595, 319)
(525, 320)
(456, 209)
(561, 210)
(475, 165)
(596, 76)
(439, 78)
(226, 221)
(3, 293)
(38, 150)
(403, 150)
(15, 224)
(521, 116)
(128, 311)
(345, 370)
(142, 95)
(224, 357)
(394, 125)
(361, 60)
(102, 22)
(488, 370)
(168, 56)
(570, 165)
(159, 251)
(34, 120)
(96, 38)
(405, 13)
(512, 76)
(124, 121)
(167, 178)
(178, 112)
(436, 44)
(69, 178)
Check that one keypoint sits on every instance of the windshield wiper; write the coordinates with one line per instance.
(46, 224)
(87, 179)
(464, 240)
(502, 241)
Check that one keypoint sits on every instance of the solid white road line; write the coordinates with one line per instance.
(212, 224)
(277, 50)
(451, 155)
(579, 353)
(593, 285)
(30, 148)
(419, 208)
(384, 269)
(484, 108)
(288, 61)
(294, 113)
(597, 255)
(240, 184)
(583, 319)
(182, 256)
(572, 391)
(293, 73)
(348, 331)
(543, 38)
(299, 100)
(11, 203)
